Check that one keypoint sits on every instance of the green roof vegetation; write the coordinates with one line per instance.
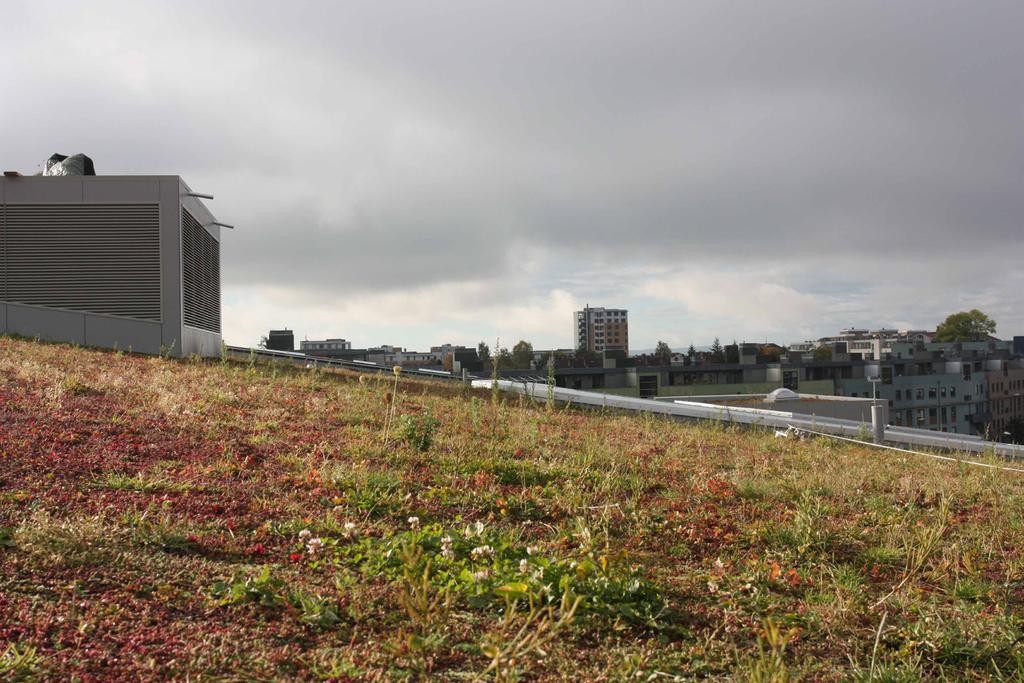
(214, 520)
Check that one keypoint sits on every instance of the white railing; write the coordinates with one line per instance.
(760, 417)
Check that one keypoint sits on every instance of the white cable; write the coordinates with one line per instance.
(906, 450)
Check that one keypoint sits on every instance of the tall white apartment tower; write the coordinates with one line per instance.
(601, 329)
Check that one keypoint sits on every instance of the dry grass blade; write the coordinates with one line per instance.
(538, 627)
(927, 542)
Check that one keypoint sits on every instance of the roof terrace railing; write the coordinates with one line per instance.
(760, 417)
(299, 358)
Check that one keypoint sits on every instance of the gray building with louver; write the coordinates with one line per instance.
(127, 262)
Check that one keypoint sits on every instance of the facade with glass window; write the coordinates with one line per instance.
(945, 387)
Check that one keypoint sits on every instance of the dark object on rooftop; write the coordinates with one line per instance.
(281, 340)
(12, 174)
(76, 164)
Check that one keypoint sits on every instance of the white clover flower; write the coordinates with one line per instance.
(719, 564)
(476, 529)
(304, 534)
(482, 551)
(446, 548)
(313, 545)
(532, 550)
(414, 522)
(712, 587)
(350, 526)
(481, 575)
(524, 566)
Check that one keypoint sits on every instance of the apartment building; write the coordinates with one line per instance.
(1005, 397)
(939, 386)
(455, 357)
(964, 388)
(601, 329)
(941, 397)
(332, 348)
(396, 355)
(309, 345)
(868, 344)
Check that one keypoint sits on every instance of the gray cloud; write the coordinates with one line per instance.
(846, 148)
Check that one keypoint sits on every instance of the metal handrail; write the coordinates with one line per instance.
(356, 365)
(760, 417)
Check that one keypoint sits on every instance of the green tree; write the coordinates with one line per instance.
(823, 352)
(972, 325)
(522, 354)
(691, 352)
(717, 352)
(663, 353)
(588, 357)
(484, 352)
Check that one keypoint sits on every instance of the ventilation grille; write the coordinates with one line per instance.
(200, 254)
(100, 258)
(3, 252)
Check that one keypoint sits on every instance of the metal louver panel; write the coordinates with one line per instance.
(3, 252)
(200, 261)
(99, 258)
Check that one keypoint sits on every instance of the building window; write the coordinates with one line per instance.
(919, 393)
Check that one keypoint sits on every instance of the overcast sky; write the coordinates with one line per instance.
(416, 172)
